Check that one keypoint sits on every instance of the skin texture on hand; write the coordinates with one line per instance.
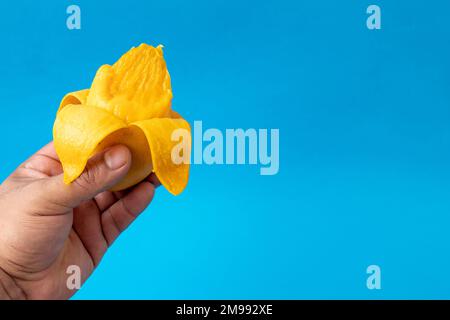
(47, 226)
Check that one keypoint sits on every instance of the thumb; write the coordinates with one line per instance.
(102, 172)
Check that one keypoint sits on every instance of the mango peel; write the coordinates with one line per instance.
(128, 103)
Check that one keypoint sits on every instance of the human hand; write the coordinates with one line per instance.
(47, 226)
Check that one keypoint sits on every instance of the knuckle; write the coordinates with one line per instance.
(88, 178)
(82, 183)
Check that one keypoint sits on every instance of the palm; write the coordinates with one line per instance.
(78, 236)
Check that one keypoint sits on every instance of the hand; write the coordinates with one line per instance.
(47, 226)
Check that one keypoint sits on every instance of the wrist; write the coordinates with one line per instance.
(9, 290)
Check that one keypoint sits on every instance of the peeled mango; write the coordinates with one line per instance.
(129, 103)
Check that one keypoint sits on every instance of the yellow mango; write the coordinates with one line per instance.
(128, 103)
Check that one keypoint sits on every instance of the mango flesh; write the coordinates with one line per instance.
(128, 103)
(136, 87)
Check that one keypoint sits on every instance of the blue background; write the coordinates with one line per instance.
(364, 141)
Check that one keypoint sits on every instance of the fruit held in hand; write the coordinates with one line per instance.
(128, 103)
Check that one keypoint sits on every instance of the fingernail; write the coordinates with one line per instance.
(116, 157)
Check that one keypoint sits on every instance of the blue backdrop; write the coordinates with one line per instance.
(364, 141)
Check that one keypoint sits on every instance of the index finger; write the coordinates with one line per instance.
(49, 151)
